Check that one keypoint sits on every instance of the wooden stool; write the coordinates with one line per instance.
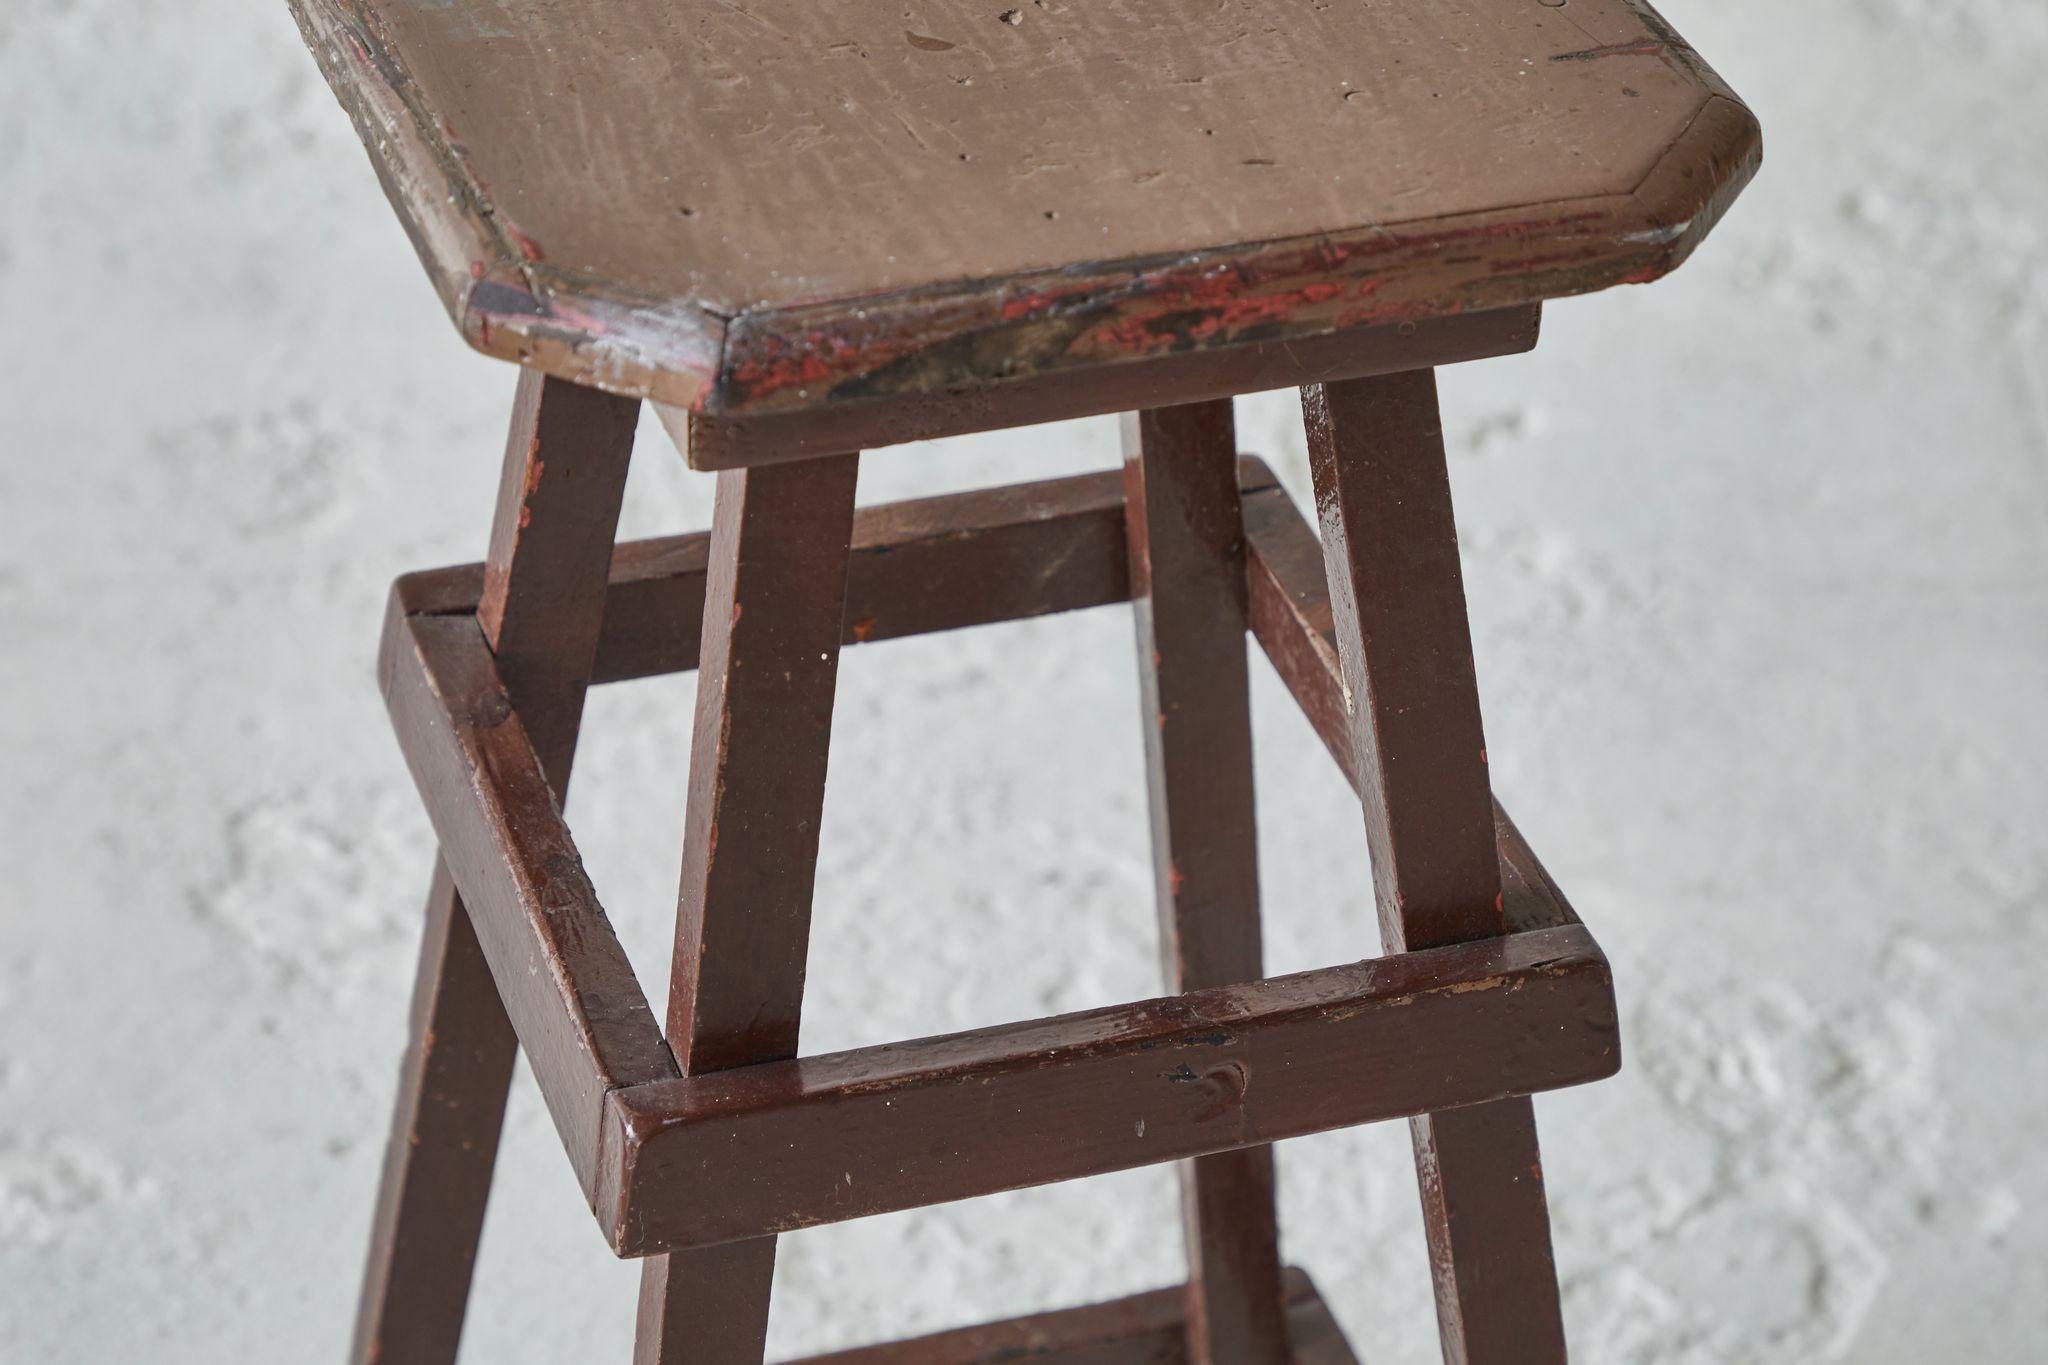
(804, 230)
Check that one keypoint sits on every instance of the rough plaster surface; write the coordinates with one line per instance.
(1762, 623)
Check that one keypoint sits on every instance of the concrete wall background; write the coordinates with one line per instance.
(1761, 612)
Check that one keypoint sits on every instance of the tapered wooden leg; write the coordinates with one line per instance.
(444, 1141)
(773, 607)
(551, 538)
(1185, 534)
(1391, 552)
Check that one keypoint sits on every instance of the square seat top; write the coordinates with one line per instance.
(750, 206)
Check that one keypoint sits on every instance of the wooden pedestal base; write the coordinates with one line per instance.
(699, 1139)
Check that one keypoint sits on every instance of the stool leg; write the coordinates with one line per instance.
(558, 508)
(1185, 533)
(774, 604)
(444, 1141)
(1391, 551)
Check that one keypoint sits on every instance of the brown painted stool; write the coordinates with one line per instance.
(805, 230)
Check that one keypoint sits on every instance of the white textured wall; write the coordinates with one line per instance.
(1762, 621)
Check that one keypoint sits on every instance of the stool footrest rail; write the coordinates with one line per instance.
(1143, 1329)
(670, 1162)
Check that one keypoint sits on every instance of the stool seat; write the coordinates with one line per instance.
(752, 207)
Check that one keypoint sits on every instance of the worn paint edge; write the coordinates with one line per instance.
(938, 338)
(1678, 208)
(504, 304)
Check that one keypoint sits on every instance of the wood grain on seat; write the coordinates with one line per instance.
(754, 206)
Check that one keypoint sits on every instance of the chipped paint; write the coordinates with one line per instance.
(909, 342)
(1646, 47)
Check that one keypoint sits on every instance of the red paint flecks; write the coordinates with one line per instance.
(534, 469)
(1038, 301)
(476, 270)
(1223, 310)
(528, 248)
(864, 629)
(1529, 265)
(525, 517)
(803, 361)
(1185, 304)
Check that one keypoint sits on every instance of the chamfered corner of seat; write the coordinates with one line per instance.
(504, 298)
(665, 352)
(1693, 184)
